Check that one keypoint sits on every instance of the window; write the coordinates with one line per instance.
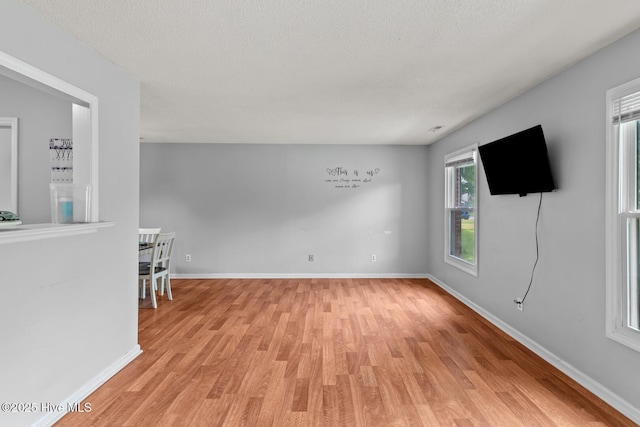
(623, 214)
(461, 217)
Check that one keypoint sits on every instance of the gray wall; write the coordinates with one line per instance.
(69, 304)
(262, 209)
(565, 310)
(42, 117)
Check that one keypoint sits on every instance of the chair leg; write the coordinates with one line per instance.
(152, 291)
(144, 288)
(169, 287)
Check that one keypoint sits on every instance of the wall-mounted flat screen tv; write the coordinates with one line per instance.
(518, 164)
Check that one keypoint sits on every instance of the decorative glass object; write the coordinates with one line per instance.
(70, 203)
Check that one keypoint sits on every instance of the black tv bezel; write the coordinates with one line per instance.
(501, 153)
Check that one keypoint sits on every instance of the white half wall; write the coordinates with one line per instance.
(69, 305)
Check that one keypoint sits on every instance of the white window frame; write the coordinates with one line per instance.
(469, 267)
(619, 208)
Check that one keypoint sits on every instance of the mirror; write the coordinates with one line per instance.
(9, 164)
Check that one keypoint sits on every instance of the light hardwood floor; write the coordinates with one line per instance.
(332, 352)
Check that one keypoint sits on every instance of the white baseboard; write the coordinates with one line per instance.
(300, 276)
(51, 418)
(578, 376)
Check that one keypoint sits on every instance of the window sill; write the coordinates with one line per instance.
(462, 265)
(29, 232)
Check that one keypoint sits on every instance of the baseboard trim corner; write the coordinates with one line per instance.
(83, 392)
(617, 402)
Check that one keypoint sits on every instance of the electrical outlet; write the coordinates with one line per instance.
(311, 258)
(519, 304)
(187, 257)
(373, 258)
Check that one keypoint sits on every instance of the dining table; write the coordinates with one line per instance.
(144, 251)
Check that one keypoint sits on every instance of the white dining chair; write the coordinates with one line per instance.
(157, 268)
(148, 235)
(164, 263)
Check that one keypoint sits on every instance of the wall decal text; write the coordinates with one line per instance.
(343, 178)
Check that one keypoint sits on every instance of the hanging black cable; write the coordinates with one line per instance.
(537, 254)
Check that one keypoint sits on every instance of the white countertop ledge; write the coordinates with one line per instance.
(28, 232)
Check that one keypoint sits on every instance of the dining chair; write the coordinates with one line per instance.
(157, 269)
(148, 235)
(164, 262)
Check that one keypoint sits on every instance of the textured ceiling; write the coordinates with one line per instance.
(334, 71)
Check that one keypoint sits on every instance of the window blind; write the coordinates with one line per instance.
(626, 109)
(464, 159)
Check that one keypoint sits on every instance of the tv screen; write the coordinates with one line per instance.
(518, 164)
